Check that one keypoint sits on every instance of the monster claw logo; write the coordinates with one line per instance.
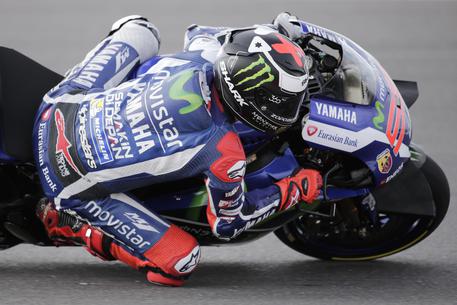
(384, 161)
(62, 143)
(177, 92)
(379, 118)
(266, 69)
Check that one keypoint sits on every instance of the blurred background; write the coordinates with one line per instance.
(413, 40)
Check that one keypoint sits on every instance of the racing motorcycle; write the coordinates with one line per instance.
(381, 195)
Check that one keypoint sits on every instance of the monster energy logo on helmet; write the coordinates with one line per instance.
(262, 86)
(265, 70)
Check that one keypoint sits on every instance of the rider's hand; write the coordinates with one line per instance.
(288, 25)
(138, 33)
(304, 185)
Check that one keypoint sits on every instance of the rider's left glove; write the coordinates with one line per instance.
(137, 19)
(139, 33)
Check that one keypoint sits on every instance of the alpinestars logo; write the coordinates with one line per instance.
(188, 263)
(293, 197)
(63, 144)
(237, 170)
(265, 72)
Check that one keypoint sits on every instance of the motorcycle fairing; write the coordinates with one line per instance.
(23, 82)
(375, 129)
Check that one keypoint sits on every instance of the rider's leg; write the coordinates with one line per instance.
(119, 227)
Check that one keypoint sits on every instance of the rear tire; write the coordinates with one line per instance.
(401, 232)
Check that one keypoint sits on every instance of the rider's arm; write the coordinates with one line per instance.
(231, 209)
(206, 39)
(131, 41)
(288, 25)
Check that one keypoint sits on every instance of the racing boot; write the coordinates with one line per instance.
(67, 230)
(169, 262)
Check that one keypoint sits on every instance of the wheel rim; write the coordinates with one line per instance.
(397, 234)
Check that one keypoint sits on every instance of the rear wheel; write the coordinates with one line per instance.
(329, 240)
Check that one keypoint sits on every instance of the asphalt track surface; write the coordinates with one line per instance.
(413, 40)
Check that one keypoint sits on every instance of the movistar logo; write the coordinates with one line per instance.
(177, 92)
(265, 70)
(378, 119)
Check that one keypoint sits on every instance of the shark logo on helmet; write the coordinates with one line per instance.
(230, 85)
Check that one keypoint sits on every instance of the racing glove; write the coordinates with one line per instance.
(137, 19)
(288, 25)
(136, 31)
(304, 185)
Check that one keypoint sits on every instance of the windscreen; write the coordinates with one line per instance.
(354, 80)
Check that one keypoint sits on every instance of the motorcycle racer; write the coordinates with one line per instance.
(109, 128)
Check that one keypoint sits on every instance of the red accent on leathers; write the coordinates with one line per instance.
(60, 234)
(210, 216)
(217, 100)
(72, 233)
(136, 263)
(164, 255)
(172, 247)
(63, 144)
(290, 193)
(163, 262)
(231, 152)
(94, 243)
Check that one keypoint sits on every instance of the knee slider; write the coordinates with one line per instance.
(177, 253)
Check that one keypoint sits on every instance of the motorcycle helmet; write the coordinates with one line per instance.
(262, 77)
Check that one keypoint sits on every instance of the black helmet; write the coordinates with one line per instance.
(262, 76)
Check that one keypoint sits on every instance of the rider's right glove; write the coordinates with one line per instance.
(288, 25)
(304, 185)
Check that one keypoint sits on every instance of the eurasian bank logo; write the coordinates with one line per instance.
(258, 78)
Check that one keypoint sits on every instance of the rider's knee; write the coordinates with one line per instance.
(177, 253)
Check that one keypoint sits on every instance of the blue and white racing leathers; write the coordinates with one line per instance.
(107, 129)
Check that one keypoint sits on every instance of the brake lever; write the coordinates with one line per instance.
(336, 167)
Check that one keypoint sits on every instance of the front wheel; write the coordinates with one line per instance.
(316, 237)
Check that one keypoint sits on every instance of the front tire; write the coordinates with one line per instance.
(400, 232)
